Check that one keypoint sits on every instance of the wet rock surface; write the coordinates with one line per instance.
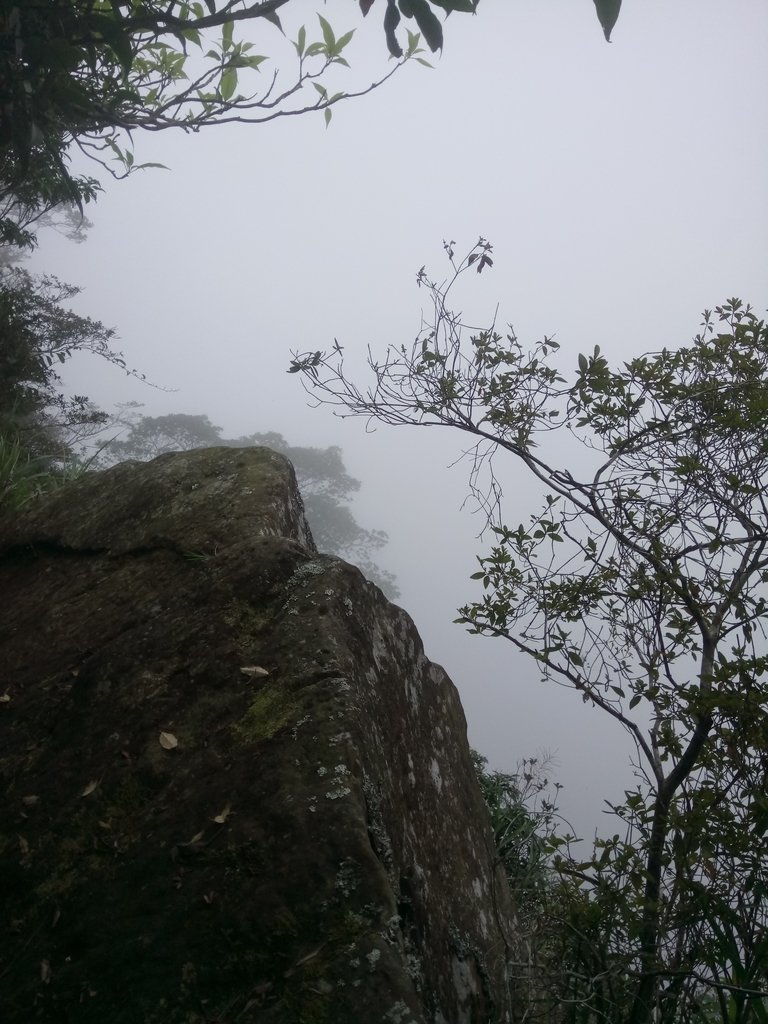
(233, 787)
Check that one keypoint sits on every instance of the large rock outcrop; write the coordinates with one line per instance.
(233, 787)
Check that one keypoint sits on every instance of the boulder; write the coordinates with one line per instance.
(234, 789)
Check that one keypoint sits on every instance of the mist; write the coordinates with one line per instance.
(622, 187)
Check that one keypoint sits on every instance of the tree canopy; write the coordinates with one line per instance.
(41, 425)
(84, 75)
(642, 585)
(39, 334)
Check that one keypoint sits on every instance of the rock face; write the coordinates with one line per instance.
(233, 787)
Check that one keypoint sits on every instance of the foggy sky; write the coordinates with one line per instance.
(623, 188)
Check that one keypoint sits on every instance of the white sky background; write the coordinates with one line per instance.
(623, 188)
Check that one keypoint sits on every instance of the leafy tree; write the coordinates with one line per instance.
(38, 335)
(524, 817)
(85, 74)
(39, 425)
(641, 585)
(555, 922)
(146, 437)
(326, 487)
(66, 219)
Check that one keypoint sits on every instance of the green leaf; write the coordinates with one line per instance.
(413, 42)
(465, 6)
(428, 22)
(120, 43)
(391, 21)
(248, 62)
(635, 701)
(328, 36)
(583, 364)
(273, 18)
(607, 15)
(344, 40)
(328, 113)
(301, 41)
(228, 83)
(226, 35)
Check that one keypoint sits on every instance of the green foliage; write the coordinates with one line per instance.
(24, 476)
(522, 818)
(21, 476)
(421, 12)
(641, 584)
(39, 334)
(326, 486)
(40, 427)
(83, 75)
(560, 925)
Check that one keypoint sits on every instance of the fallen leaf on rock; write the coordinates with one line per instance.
(5, 698)
(310, 956)
(254, 670)
(194, 840)
(303, 960)
(322, 988)
(30, 801)
(45, 971)
(90, 788)
(259, 991)
(221, 819)
(168, 741)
